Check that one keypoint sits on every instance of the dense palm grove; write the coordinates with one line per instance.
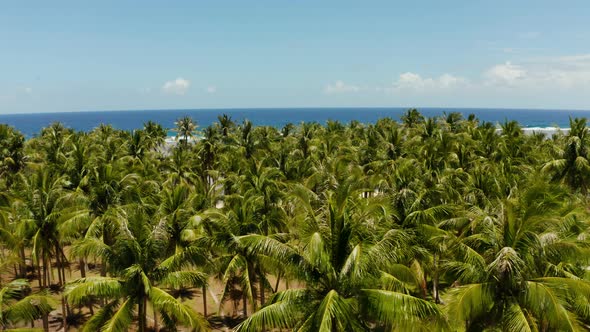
(427, 224)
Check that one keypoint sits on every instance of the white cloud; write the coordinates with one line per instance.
(28, 90)
(563, 72)
(340, 87)
(211, 89)
(178, 86)
(525, 82)
(505, 74)
(412, 81)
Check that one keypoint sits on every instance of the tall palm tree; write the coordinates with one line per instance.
(155, 134)
(339, 260)
(235, 264)
(185, 130)
(226, 124)
(140, 271)
(51, 218)
(516, 267)
(412, 118)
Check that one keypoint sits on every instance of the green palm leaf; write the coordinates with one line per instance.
(180, 312)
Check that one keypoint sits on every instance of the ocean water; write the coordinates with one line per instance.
(31, 124)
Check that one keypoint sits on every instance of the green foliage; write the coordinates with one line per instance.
(443, 223)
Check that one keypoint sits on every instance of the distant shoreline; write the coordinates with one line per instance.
(30, 124)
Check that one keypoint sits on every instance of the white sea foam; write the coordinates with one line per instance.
(547, 131)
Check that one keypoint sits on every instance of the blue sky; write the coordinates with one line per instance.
(77, 55)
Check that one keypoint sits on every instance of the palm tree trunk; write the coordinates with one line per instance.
(142, 315)
(45, 272)
(64, 313)
(23, 262)
(204, 290)
(103, 268)
(244, 298)
(39, 275)
(156, 327)
(435, 280)
(82, 268)
(45, 284)
(58, 263)
(261, 285)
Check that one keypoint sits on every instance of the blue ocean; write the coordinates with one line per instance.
(31, 124)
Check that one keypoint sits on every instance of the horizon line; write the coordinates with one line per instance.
(303, 108)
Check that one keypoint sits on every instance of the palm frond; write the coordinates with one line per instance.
(101, 287)
(30, 308)
(393, 308)
(121, 319)
(177, 310)
(469, 302)
(278, 315)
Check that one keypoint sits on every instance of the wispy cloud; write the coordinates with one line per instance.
(340, 87)
(560, 72)
(178, 86)
(524, 77)
(413, 81)
(211, 89)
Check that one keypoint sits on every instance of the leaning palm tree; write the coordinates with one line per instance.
(339, 261)
(141, 272)
(17, 307)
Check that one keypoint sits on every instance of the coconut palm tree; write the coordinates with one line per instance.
(141, 272)
(155, 134)
(517, 265)
(571, 165)
(185, 129)
(339, 261)
(12, 156)
(412, 118)
(226, 124)
(16, 306)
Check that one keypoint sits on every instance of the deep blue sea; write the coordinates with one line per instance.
(31, 124)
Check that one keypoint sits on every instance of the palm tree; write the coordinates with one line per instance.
(155, 134)
(517, 267)
(12, 157)
(339, 260)
(50, 219)
(18, 307)
(412, 118)
(571, 165)
(235, 264)
(379, 227)
(185, 130)
(140, 271)
(226, 124)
